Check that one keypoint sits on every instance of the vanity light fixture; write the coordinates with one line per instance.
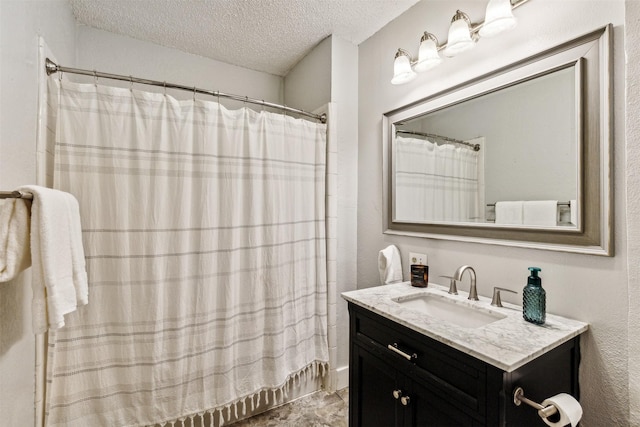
(402, 71)
(462, 36)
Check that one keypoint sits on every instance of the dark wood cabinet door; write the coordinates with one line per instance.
(371, 401)
(429, 409)
(414, 405)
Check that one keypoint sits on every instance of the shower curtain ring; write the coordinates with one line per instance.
(60, 76)
(130, 83)
(95, 78)
(165, 88)
(194, 94)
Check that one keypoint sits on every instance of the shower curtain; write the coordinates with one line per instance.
(204, 234)
(435, 182)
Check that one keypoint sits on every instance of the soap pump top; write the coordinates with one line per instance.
(533, 278)
(534, 299)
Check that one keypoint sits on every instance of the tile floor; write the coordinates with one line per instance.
(320, 409)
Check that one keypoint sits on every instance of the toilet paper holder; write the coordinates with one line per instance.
(544, 412)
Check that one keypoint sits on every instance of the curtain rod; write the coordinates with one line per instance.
(476, 147)
(52, 68)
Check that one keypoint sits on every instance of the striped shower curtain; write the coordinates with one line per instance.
(204, 234)
(435, 182)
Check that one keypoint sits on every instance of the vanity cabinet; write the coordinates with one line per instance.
(423, 382)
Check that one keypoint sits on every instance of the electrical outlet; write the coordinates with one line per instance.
(416, 258)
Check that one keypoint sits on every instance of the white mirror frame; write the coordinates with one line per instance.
(591, 55)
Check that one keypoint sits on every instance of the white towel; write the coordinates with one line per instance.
(15, 220)
(540, 212)
(390, 265)
(59, 273)
(509, 212)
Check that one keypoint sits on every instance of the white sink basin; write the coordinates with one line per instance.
(466, 316)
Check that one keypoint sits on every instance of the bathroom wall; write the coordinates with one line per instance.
(308, 84)
(590, 288)
(632, 43)
(20, 24)
(344, 92)
(109, 52)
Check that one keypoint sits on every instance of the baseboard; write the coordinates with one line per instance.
(342, 377)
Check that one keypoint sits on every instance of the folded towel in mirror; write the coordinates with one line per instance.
(509, 212)
(541, 212)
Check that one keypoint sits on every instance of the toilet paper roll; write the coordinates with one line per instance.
(568, 407)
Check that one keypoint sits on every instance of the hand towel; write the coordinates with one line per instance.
(59, 272)
(540, 212)
(573, 205)
(509, 212)
(390, 265)
(15, 221)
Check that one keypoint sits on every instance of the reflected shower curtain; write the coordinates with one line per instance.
(435, 182)
(204, 233)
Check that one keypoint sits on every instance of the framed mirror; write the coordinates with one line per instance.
(519, 157)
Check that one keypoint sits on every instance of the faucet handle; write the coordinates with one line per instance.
(495, 301)
(453, 289)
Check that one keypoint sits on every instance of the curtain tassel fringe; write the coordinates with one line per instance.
(278, 395)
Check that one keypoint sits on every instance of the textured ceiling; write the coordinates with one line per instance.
(264, 35)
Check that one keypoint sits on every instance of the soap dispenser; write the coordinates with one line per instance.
(534, 304)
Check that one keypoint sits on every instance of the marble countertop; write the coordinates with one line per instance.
(507, 343)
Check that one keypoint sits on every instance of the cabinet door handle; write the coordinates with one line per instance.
(395, 348)
(405, 400)
(397, 393)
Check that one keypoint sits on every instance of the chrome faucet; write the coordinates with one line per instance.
(473, 293)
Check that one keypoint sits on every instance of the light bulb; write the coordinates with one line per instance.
(402, 72)
(498, 18)
(428, 56)
(459, 39)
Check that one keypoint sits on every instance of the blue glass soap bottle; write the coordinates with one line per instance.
(534, 299)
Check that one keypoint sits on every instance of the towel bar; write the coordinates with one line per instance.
(559, 204)
(15, 195)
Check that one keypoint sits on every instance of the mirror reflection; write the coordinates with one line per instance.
(510, 157)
